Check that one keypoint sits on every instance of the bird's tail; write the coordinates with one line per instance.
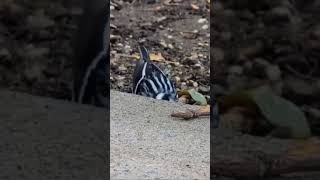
(144, 54)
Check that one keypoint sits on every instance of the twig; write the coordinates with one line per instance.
(257, 164)
(189, 114)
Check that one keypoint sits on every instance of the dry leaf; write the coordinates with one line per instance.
(153, 57)
(189, 35)
(194, 7)
(157, 57)
(205, 109)
(189, 114)
(306, 148)
(135, 56)
(157, 8)
(184, 99)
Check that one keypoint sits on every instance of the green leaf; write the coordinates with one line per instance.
(281, 113)
(197, 97)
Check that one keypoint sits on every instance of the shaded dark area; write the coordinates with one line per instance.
(44, 138)
(269, 43)
(272, 44)
(35, 46)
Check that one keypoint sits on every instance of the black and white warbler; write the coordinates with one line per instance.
(150, 81)
(91, 83)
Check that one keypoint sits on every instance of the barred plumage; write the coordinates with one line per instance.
(91, 60)
(150, 81)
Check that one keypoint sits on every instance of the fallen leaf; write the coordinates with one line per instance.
(189, 114)
(189, 35)
(278, 111)
(205, 109)
(157, 57)
(153, 57)
(306, 148)
(157, 8)
(282, 113)
(198, 97)
(184, 92)
(184, 99)
(194, 7)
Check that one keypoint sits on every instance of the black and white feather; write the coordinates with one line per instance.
(150, 81)
(91, 84)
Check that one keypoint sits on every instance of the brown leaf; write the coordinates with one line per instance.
(195, 7)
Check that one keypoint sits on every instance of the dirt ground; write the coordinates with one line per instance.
(176, 30)
(35, 46)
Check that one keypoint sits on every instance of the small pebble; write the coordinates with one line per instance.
(202, 20)
(205, 27)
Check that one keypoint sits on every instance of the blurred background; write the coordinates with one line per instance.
(35, 46)
(269, 44)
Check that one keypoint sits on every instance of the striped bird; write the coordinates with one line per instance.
(150, 81)
(91, 55)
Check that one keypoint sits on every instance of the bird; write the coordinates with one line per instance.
(150, 81)
(91, 84)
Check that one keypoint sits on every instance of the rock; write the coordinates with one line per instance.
(248, 66)
(163, 43)
(300, 90)
(53, 71)
(202, 20)
(205, 27)
(273, 72)
(40, 21)
(33, 73)
(219, 89)
(35, 52)
(204, 89)
(44, 35)
(177, 79)
(183, 85)
(226, 36)
(316, 32)
(252, 50)
(217, 54)
(247, 15)
(5, 55)
(122, 68)
(278, 14)
(259, 67)
(262, 62)
(192, 60)
(236, 81)
(76, 11)
(195, 84)
(161, 19)
(236, 70)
